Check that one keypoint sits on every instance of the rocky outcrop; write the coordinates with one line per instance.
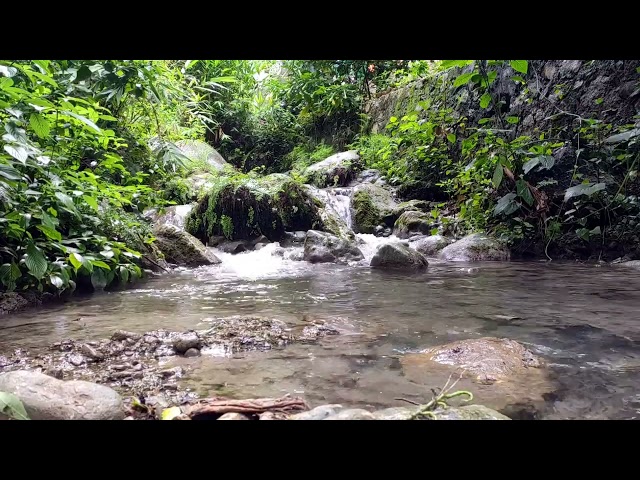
(373, 206)
(429, 245)
(412, 223)
(293, 239)
(335, 171)
(370, 175)
(476, 247)
(323, 247)
(175, 215)
(411, 205)
(202, 153)
(12, 302)
(47, 398)
(398, 255)
(181, 248)
(242, 208)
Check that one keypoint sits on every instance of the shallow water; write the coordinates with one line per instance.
(582, 319)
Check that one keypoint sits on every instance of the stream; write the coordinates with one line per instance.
(581, 319)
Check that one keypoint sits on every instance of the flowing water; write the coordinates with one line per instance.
(582, 319)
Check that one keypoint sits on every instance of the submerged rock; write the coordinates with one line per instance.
(429, 245)
(469, 412)
(322, 247)
(352, 414)
(47, 398)
(318, 413)
(373, 205)
(398, 255)
(186, 341)
(412, 223)
(475, 248)
(501, 373)
(181, 248)
(337, 170)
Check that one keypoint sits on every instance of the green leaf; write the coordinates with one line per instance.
(82, 74)
(124, 274)
(587, 189)
(434, 231)
(513, 120)
(56, 281)
(451, 137)
(599, 100)
(91, 201)
(8, 172)
(506, 205)
(446, 64)
(595, 231)
(517, 78)
(107, 253)
(11, 406)
(101, 264)
(15, 271)
(51, 233)
(76, 260)
(485, 100)
(521, 66)
(482, 121)
(40, 125)
(583, 233)
(35, 261)
(66, 200)
(170, 413)
(530, 164)
(17, 152)
(98, 279)
(497, 175)
(88, 264)
(524, 192)
(84, 120)
(462, 79)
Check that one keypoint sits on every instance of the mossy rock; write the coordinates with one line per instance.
(181, 248)
(335, 171)
(202, 153)
(411, 205)
(469, 412)
(373, 205)
(398, 256)
(244, 207)
(412, 222)
(476, 247)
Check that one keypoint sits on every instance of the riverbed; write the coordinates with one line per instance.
(581, 319)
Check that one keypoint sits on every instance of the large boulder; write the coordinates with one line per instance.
(323, 247)
(411, 223)
(181, 248)
(175, 215)
(501, 373)
(47, 398)
(373, 205)
(243, 207)
(475, 248)
(429, 245)
(398, 255)
(202, 153)
(337, 170)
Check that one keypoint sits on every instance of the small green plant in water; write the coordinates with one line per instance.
(227, 226)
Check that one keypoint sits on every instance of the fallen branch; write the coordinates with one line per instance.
(249, 406)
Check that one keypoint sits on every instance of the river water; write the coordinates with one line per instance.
(583, 320)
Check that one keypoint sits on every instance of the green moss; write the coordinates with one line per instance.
(367, 215)
(254, 206)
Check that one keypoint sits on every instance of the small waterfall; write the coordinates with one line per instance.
(338, 200)
(271, 261)
(369, 244)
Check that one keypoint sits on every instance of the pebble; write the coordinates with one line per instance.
(91, 352)
(76, 360)
(123, 335)
(192, 352)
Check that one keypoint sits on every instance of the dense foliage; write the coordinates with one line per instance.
(88, 145)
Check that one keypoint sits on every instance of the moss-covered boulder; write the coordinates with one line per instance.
(475, 248)
(202, 153)
(372, 206)
(411, 205)
(323, 247)
(181, 248)
(411, 223)
(397, 255)
(244, 207)
(335, 171)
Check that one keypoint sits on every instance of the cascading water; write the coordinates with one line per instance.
(338, 201)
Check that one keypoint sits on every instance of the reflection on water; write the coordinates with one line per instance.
(582, 319)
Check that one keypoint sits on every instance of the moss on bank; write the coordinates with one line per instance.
(246, 206)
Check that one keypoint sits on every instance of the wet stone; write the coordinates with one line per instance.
(318, 413)
(91, 352)
(186, 341)
(76, 360)
(352, 414)
(123, 335)
(233, 416)
(192, 352)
